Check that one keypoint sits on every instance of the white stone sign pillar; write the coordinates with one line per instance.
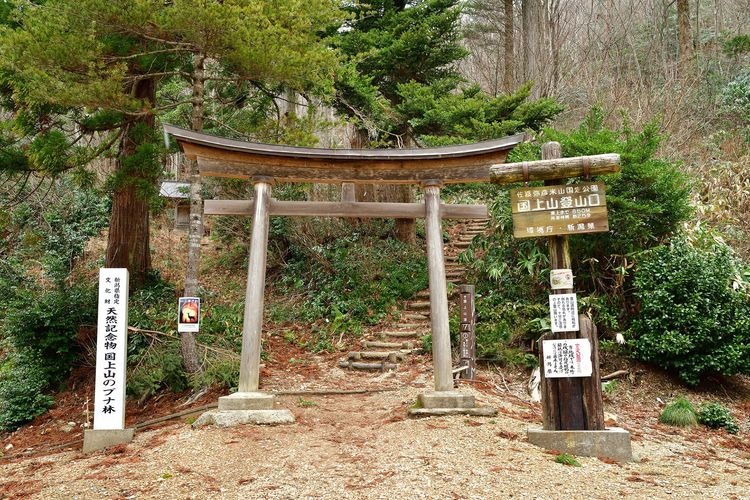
(111, 362)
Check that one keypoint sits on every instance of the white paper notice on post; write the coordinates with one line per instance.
(567, 358)
(563, 311)
(111, 349)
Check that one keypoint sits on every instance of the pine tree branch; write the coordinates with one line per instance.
(150, 53)
(146, 76)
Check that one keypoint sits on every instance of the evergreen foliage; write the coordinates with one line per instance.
(717, 416)
(691, 319)
(402, 80)
(82, 86)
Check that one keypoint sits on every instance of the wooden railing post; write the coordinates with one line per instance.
(252, 324)
(441, 341)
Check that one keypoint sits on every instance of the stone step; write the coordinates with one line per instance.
(414, 316)
(400, 334)
(361, 365)
(391, 356)
(375, 344)
(410, 326)
(419, 304)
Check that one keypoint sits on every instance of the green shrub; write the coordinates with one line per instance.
(45, 323)
(691, 320)
(22, 392)
(566, 459)
(39, 319)
(716, 416)
(679, 413)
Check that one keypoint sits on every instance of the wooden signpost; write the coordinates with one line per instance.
(572, 408)
(571, 394)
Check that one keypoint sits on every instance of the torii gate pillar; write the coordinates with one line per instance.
(444, 400)
(248, 405)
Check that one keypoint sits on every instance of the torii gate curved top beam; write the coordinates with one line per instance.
(222, 157)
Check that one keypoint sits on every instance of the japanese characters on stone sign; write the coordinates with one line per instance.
(567, 358)
(188, 314)
(557, 210)
(111, 349)
(563, 311)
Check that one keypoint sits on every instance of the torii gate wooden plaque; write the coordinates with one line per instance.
(430, 168)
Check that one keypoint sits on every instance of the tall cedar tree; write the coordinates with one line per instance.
(85, 85)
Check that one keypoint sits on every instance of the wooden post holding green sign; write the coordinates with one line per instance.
(571, 387)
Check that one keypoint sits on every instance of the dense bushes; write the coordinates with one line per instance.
(43, 306)
(647, 201)
(23, 387)
(353, 279)
(691, 319)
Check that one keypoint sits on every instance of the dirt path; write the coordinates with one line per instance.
(363, 446)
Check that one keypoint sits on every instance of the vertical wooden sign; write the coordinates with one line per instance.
(468, 344)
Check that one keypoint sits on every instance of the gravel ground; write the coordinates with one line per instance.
(363, 446)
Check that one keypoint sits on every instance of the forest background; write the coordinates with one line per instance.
(82, 98)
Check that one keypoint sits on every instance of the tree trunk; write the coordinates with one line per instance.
(195, 234)
(685, 38)
(508, 76)
(128, 241)
(406, 229)
(533, 20)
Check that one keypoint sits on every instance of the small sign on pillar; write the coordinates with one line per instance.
(468, 343)
(567, 358)
(189, 314)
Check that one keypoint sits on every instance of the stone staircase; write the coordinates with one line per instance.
(384, 350)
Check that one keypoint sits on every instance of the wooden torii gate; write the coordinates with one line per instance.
(431, 168)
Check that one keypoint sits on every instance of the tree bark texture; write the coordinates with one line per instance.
(685, 37)
(128, 241)
(533, 31)
(195, 232)
(508, 42)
